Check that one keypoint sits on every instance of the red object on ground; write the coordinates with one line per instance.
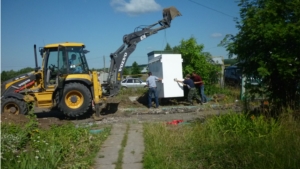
(175, 122)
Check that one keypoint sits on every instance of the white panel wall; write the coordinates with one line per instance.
(167, 67)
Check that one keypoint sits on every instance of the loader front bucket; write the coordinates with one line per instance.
(170, 13)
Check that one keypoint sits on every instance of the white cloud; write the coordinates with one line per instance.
(216, 35)
(135, 7)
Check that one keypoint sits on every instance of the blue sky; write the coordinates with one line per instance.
(101, 25)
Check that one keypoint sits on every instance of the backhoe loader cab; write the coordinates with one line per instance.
(66, 58)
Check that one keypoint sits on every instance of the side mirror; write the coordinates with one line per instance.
(41, 51)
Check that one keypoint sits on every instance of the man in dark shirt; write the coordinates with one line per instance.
(199, 85)
(192, 90)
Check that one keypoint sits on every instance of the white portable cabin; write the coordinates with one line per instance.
(166, 65)
(103, 77)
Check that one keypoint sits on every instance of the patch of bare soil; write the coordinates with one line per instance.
(20, 119)
(142, 101)
(123, 108)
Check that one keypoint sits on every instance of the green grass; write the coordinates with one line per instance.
(121, 151)
(28, 147)
(227, 141)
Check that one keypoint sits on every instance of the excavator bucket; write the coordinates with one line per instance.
(171, 13)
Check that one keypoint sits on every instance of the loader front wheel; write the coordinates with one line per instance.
(76, 100)
(13, 106)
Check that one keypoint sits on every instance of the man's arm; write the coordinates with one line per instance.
(159, 79)
(198, 82)
(180, 81)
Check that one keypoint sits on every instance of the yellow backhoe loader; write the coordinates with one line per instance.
(64, 80)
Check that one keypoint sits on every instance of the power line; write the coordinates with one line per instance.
(212, 9)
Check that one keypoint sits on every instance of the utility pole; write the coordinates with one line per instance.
(104, 63)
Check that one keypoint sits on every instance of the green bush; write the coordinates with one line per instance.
(59, 147)
(226, 141)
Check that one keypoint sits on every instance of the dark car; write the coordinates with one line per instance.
(232, 76)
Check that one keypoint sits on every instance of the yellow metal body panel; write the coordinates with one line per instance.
(44, 99)
(79, 77)
(97, 88)
(64, 44)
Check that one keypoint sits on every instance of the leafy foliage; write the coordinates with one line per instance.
(267, 46)
(194, 59)
(168, 47)
(125, 71)
(135, 70)
(5, 75)
(65, 146)
(231, 140)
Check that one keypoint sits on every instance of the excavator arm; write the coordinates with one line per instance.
(120, 56)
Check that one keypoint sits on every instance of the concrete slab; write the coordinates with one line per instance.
(133, 152)
(109, 151)
(132, 166)
(105, 167)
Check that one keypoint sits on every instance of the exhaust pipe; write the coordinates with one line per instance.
(35, 58)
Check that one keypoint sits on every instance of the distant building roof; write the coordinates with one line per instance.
(218, 60)
(162, 52)
(145, 70)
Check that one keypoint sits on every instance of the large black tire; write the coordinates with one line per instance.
(13, 106)
(76, 100)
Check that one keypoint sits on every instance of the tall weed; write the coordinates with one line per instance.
(59, 147)
(226, 141)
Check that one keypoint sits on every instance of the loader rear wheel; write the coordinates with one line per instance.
(13, 106)
(76, 100)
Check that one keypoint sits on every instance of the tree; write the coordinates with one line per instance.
(5, 75)
(125, 71)
(135, 70)
(194, 59)
(268, 47)
(168, 47)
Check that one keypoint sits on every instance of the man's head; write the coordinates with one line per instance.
(188, 76)
(194, 73)
(149, 73)
(73, 57)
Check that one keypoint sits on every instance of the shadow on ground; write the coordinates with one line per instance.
(111, 108)
(55, 113)
(175, 101)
